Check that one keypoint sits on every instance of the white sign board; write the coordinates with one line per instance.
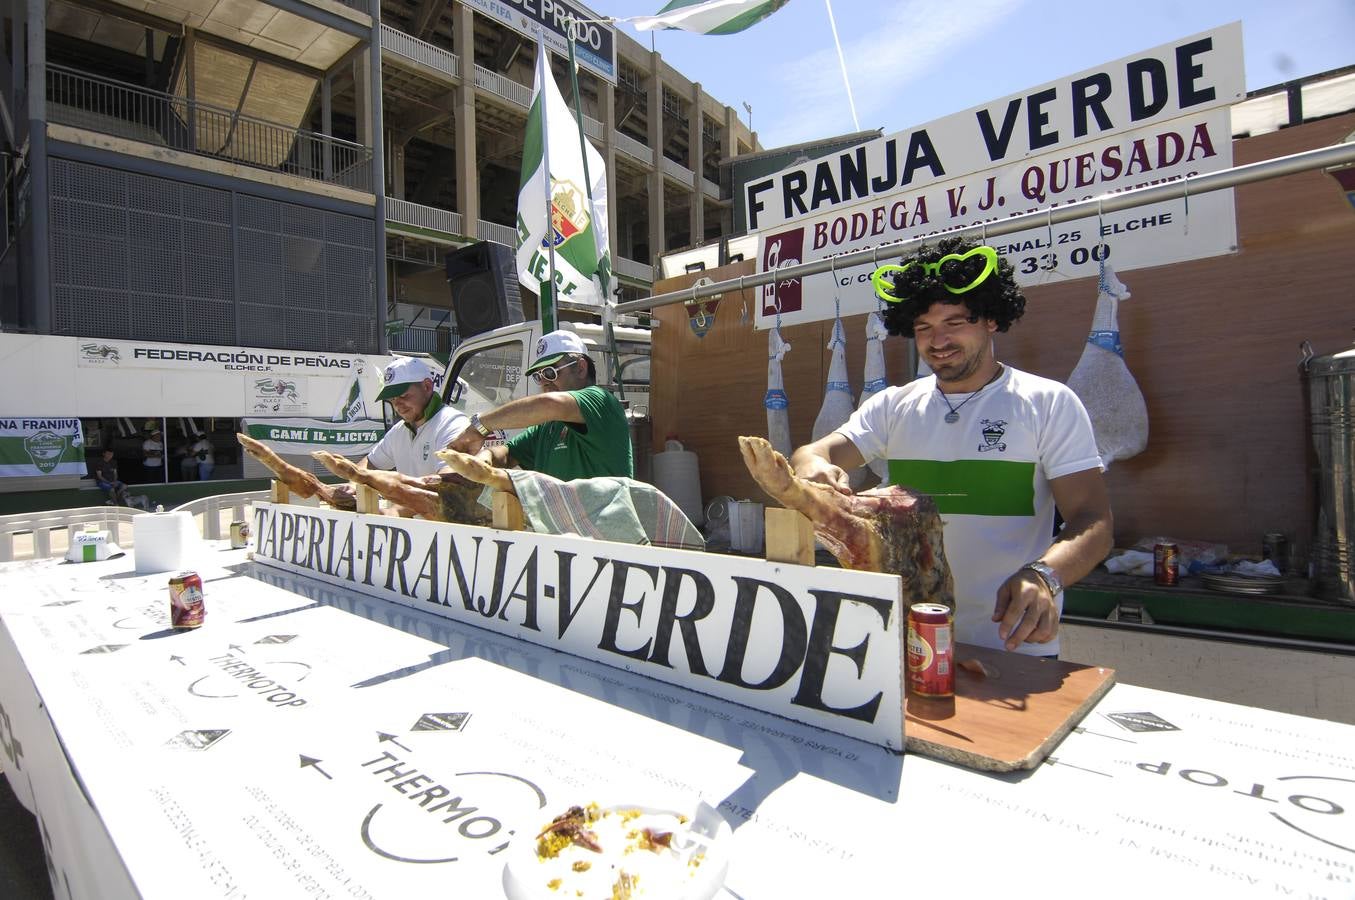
(1151, 118)
(819, 645)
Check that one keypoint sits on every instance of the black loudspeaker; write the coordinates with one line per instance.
(484, 282)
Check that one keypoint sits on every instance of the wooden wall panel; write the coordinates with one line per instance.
(1213, 343)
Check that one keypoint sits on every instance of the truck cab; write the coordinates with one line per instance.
(486, 371)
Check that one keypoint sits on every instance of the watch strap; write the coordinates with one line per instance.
(1046, 574)
(478, 425)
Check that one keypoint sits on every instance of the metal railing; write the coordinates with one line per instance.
(504, 87)
(422, 52)
(677, 170)
(425, 339)
(430, 217)
(40, 535)
(362, 6)
(631, 147)
(492, 231)
(632, 269)
(92, 102)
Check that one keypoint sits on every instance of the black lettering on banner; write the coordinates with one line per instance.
(1188, 71)
(827, 608)
(997, 141)
(617, 602)
(454, 567)
(374, 553)
(317, 539)
(1089, 96)
(1146, 99)
(400, 548)
(702, 606)
(793, 635)
(528, 593)
(345, 556)
(1037, 119)
(886, 181)
(285, 538)
(428, 571)
(565, 611)
(489, 608)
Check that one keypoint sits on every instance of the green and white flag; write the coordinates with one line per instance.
(351, 406)
(575, 227)
(709, 16)
(36, 446)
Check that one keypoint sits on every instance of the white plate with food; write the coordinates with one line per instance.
(638, 852)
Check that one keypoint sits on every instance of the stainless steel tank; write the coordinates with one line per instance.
(1331, 397)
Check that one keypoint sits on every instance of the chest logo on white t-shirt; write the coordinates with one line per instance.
(993, 431)
(427, 446)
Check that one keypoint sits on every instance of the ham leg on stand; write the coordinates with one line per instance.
(778, 412)
(300, 482)
(894, 529)
(450, 499)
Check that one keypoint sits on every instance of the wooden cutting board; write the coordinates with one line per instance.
(1008, 721)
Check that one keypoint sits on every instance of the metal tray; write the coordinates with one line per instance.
(1244, 584)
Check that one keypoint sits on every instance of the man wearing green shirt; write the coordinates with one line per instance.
(573, 429)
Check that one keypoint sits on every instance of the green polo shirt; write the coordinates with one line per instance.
(597, 448)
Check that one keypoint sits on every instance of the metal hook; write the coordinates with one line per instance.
(1185, 183)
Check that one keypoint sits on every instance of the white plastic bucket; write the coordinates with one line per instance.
(164, 542)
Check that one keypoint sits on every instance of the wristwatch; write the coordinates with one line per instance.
(479, 426)
(1047, 575)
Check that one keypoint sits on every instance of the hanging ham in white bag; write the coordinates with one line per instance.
(837, 393)
(873, 382)
(1103, 382)
(778, 412)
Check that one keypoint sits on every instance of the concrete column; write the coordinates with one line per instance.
(327, 120)
(467, 177)
(39, 203)
(655, 98)
(607, 112)
(696, 154)
(397, 165)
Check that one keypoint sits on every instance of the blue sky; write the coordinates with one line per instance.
(913, 61)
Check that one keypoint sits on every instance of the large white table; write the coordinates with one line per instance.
(309, 741)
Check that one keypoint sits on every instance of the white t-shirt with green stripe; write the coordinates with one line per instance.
(989, 474)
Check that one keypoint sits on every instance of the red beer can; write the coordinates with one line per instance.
(931, 650)
(1165, 567)
(186, 607)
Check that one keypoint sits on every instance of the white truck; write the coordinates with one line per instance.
(485, 371)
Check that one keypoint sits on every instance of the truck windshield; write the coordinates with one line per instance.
(488, 377)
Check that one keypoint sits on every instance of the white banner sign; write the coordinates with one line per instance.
(99, 353)
(819, 645)
(274, 395)
(1147, 119)
(298, 436)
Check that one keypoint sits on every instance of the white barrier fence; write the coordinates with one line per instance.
(39, 535)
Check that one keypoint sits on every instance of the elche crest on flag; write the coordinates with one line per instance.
(568, 210)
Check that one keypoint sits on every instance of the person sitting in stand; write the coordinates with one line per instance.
(996, 447)
(573, 429)
(188, 461)
(205, 455)
(106, 477)
(153, 455)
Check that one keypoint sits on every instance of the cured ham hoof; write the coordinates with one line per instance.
(476, 470)
(892, 529)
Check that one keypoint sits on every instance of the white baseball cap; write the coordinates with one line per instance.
(551, 349)
(402, 373)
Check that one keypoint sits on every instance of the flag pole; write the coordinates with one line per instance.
(547, 303)
(841, 60)
(604, 269)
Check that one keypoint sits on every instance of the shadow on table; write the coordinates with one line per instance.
(776, 750)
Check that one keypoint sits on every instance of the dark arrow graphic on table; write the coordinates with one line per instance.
(236, 647)
(314, 764)
(178, 659)
(382, 737)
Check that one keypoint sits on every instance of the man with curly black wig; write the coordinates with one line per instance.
(996, 447)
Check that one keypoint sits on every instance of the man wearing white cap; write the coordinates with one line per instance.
(426, 424)
(573, 429)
